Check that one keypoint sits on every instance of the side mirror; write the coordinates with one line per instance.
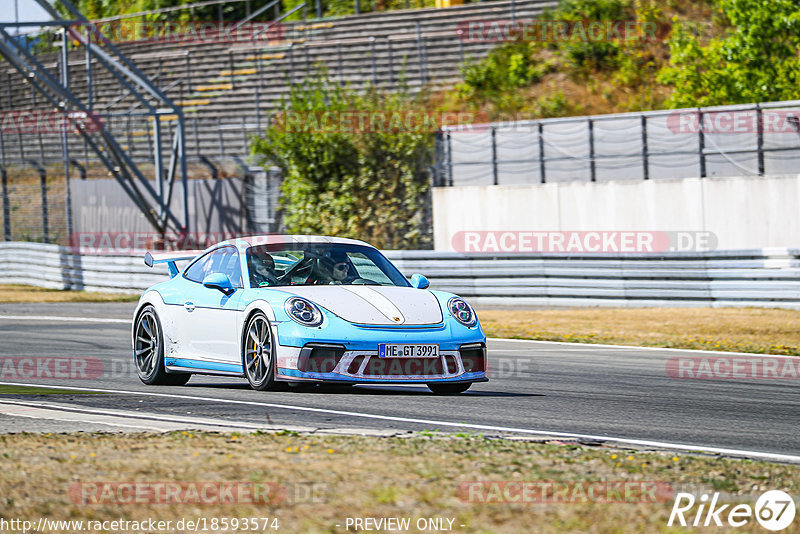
(218, 281)
(419, 282)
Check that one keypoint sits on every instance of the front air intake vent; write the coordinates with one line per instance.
(318, 358)
(473, 356)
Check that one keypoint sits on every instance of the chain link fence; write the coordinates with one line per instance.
(38, 209)
(33, 206)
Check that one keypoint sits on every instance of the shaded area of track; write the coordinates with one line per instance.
(621, 392)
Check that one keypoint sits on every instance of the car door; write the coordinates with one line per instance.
(210, 318)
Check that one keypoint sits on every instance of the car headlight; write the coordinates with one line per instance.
(303, 311)
(462, 311)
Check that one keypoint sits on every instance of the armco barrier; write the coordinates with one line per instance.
(54, 266)
(759, 277)
(762, 277)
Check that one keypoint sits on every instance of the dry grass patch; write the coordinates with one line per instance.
(23, 293)
(757, 330)
(356, 476)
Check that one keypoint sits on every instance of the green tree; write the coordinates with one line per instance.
(756, 60)
(355, 165)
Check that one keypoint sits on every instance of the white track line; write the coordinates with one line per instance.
(44, 410)
(639, 442)
(567, 343)
(26, 408)
(65, 319)
(31, 412)
(720, 353)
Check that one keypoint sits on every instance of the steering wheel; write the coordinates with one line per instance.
(297, 268)
(364, 282)
(264, 279)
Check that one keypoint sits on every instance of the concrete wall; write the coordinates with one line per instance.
(214, 206)
(743, 212)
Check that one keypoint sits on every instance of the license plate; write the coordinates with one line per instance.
(389, 350)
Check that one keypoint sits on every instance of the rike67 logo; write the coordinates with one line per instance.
(774, 510)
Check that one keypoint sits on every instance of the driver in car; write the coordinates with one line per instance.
(333, 268)
(262, 268)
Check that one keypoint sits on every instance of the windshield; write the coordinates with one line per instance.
(300, 264)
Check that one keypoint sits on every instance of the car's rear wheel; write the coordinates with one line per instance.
(258, 353)
(148, 351)
(449, 389)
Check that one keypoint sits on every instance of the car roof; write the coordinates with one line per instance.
(276, 239)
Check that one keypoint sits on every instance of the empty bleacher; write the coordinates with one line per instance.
(228, 90)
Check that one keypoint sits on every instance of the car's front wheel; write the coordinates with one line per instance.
(148, 351)
(258, 352)
(449, 388)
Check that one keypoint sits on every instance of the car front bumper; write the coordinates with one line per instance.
(331, 362)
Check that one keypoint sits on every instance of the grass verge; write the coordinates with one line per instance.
(18, 293)
(325, 480)
(756, 330)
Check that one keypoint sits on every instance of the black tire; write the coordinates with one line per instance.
(148, 351)
(449, 389)
(258, 353)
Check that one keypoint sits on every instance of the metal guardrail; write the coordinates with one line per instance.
(758, 277)
(54, 266)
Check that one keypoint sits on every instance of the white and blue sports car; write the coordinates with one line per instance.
(278, 309)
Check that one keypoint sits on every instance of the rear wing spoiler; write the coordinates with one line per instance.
(170, 258)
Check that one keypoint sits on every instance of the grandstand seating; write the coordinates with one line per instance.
(229, 89)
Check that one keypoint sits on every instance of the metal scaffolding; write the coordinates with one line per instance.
(89, 121)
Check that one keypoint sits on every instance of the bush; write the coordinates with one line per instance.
(497, 79)
(507, 68)
(586, 55)
(369, 185)
(756, 60)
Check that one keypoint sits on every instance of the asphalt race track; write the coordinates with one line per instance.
(536, 389)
